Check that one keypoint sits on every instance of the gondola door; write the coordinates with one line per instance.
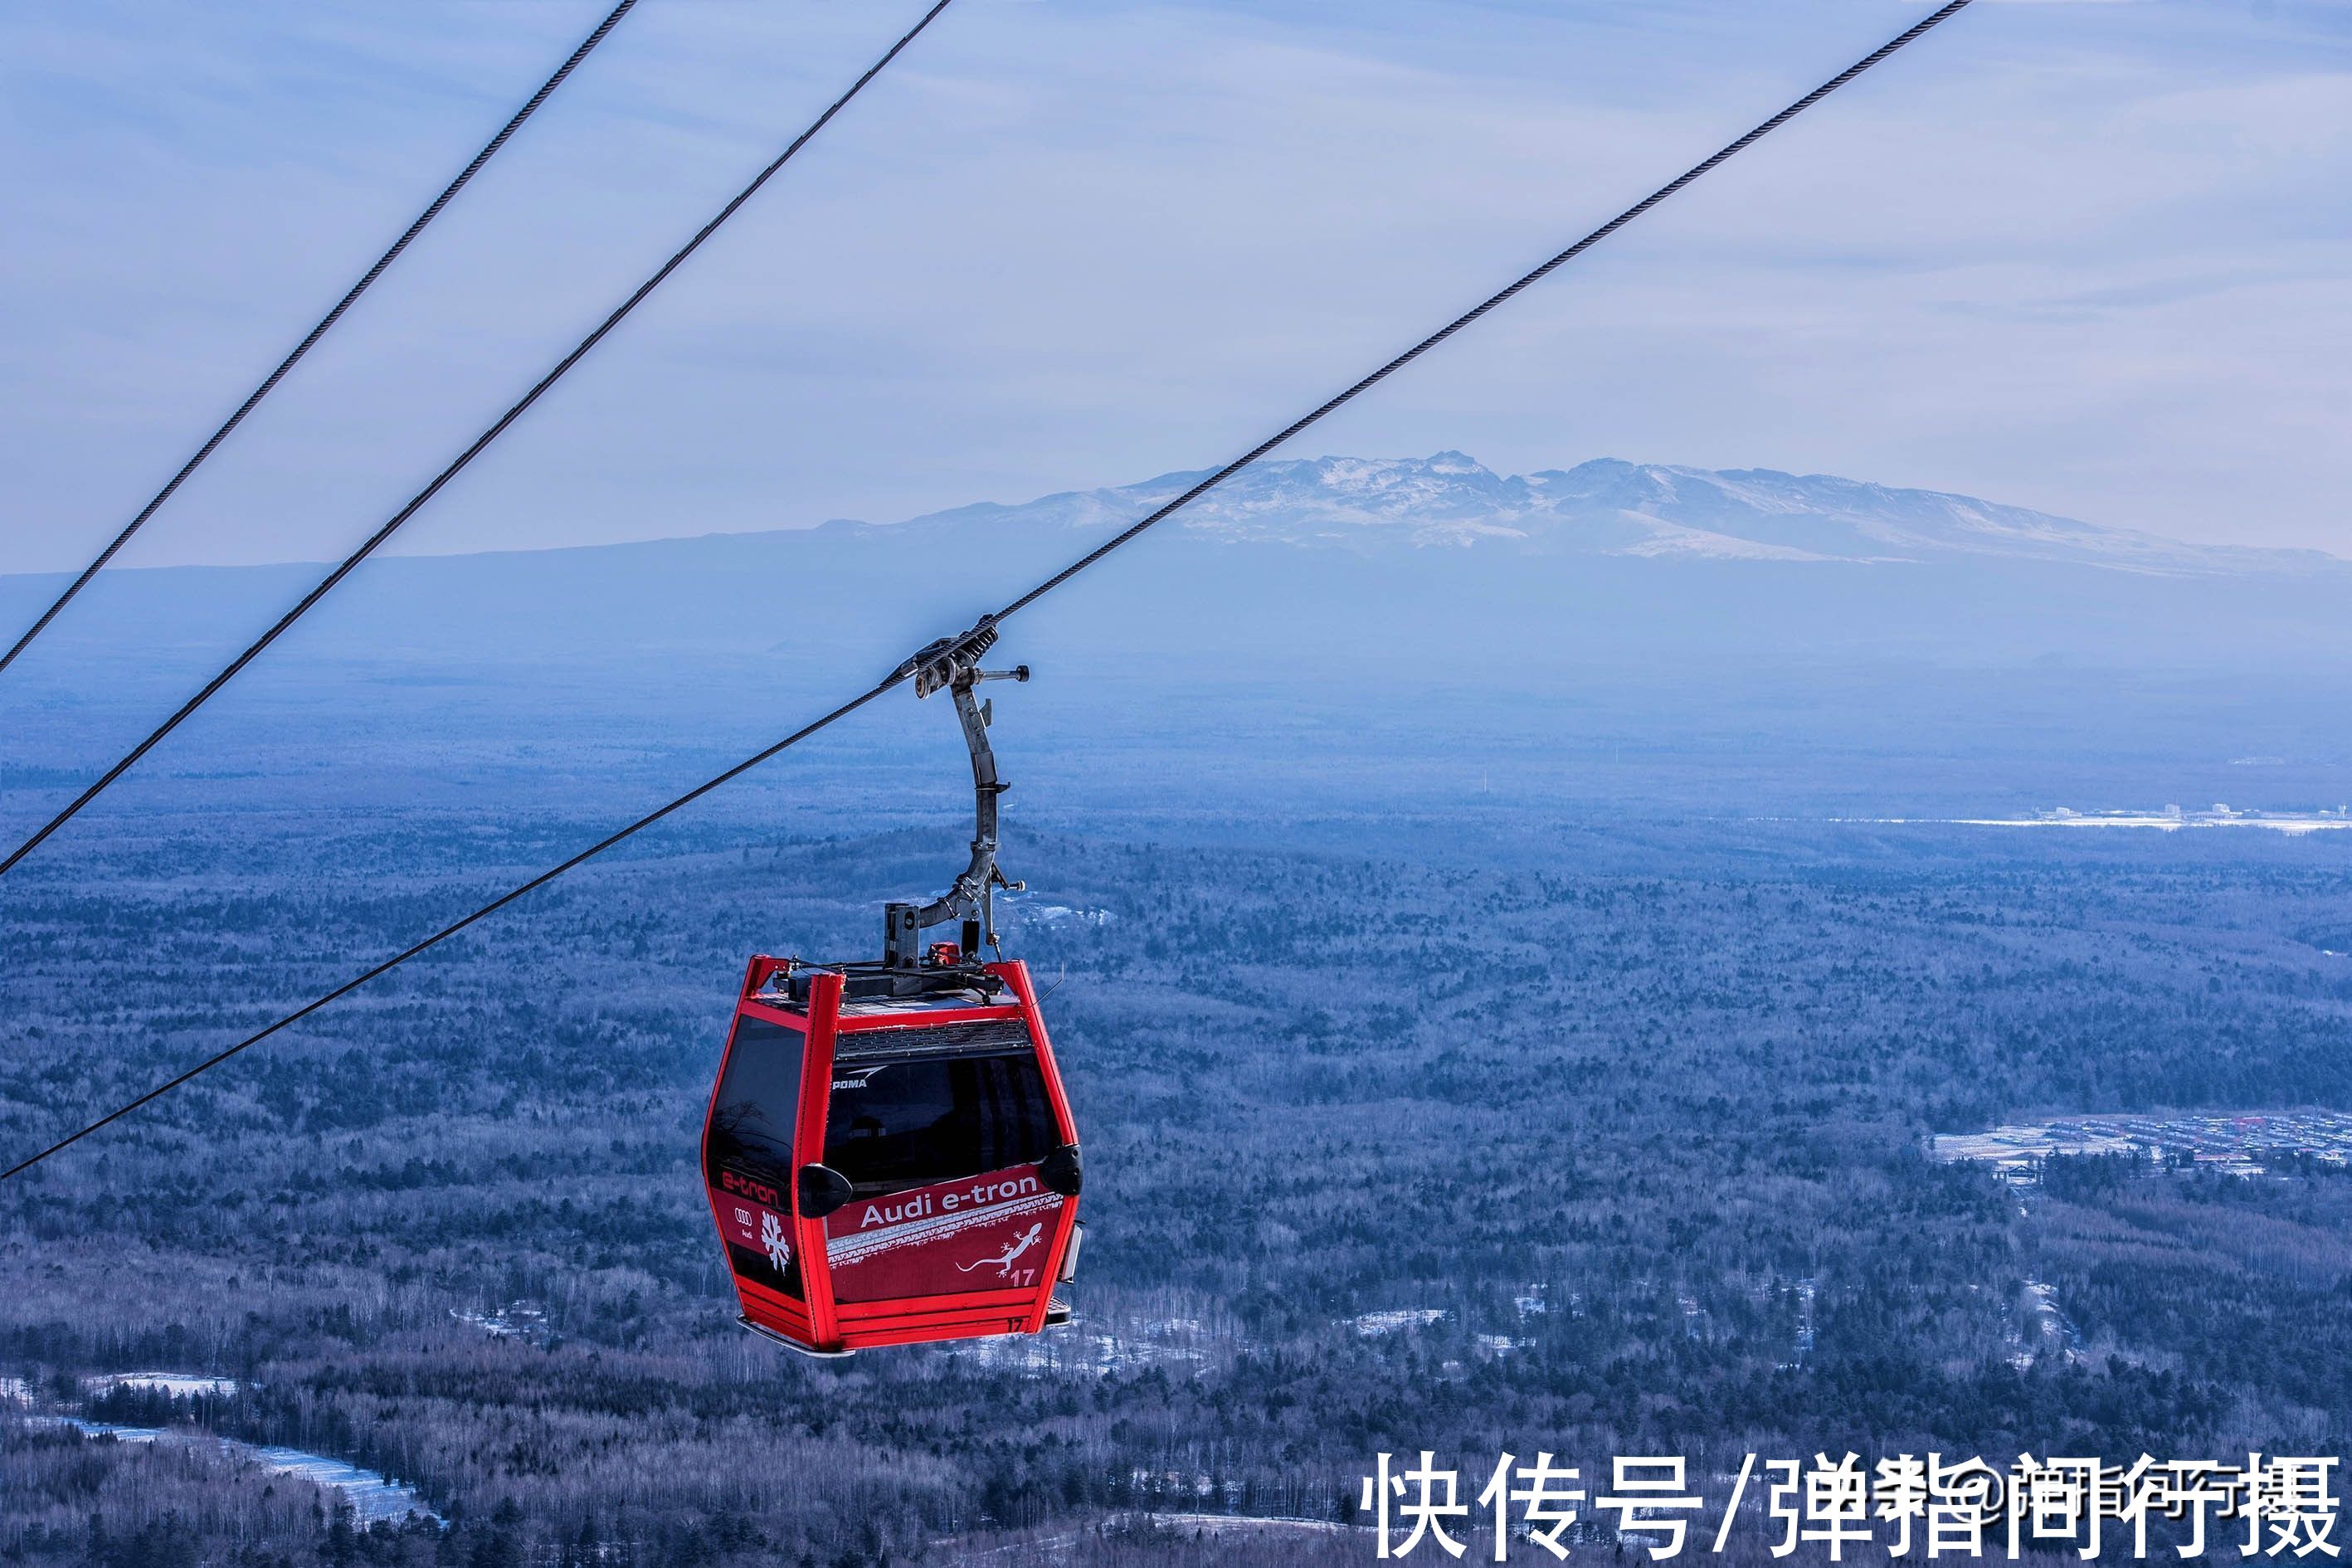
(953, 1138)
(767, 1104)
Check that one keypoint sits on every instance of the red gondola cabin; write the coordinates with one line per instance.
(890, 1168)
(889, 1154)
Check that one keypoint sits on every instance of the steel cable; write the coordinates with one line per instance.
(446, 932)
(270, 381)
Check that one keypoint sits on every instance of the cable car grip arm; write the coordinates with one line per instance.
(952, 665)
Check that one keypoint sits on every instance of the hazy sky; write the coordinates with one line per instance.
(2091, 258)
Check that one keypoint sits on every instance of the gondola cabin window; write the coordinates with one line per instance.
(914, 1122)
(747, 1156)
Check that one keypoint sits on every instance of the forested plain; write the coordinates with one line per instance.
(1448, 1119)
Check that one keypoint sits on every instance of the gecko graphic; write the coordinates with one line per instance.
(1003, 1260)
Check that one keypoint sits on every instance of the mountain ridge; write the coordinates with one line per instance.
(1604, 506)
(1419, 564)
(1611, 507)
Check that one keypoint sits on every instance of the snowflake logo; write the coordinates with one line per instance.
(771, 1237)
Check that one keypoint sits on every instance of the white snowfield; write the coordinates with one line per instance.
(178, 1384)
(374, 1498)
(1214, 1524)
(1084, 1351)
(93, 1428)
(1373, 1325)
(2171, 820)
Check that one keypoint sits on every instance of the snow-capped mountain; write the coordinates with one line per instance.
(1450, 501)
(1423, 563)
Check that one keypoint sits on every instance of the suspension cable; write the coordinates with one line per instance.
(270, 381)
(446, 932)
(906, 670)
(417, 503)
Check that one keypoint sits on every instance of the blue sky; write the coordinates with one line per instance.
(2092, 257)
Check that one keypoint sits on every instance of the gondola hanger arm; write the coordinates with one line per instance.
(952, 665)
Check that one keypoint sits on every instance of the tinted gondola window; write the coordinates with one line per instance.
(901, 1124)
(759, 1099)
